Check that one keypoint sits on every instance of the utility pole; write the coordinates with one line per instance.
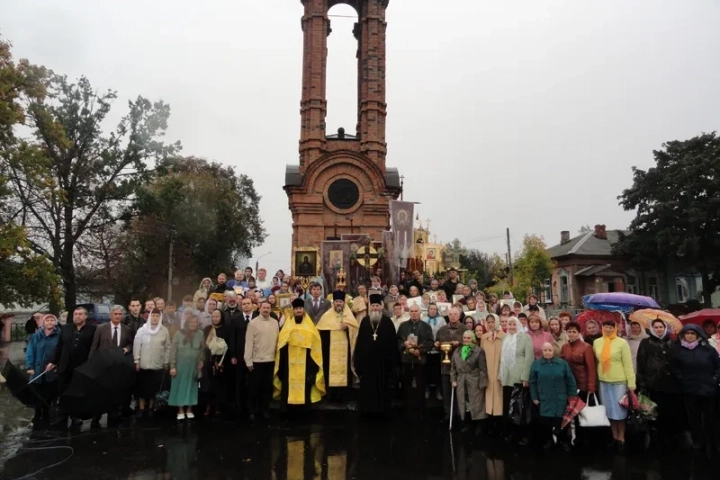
(402, 182)
(170, 267)
(509, 257)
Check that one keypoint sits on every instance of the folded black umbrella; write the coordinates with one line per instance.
(99, 385)
(17, 384)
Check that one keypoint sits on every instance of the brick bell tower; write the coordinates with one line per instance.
(341, 184)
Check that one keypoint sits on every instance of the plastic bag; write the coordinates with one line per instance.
(647, 407)
(520, 411)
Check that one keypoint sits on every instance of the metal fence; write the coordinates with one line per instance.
(557, 311)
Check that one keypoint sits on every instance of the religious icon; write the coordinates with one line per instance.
(457, 298)
(305, 262)
(430, 254)
(336, 259)
(284, 300)
(444, 308)
(414, 301)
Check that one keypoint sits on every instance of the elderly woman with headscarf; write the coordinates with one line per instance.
(637, 334)
(151, 351)
(551, 384)
(654, 377)
(696, 366)
(516, 360)
(491, 343)
(186, 361)
(616, 375)
(469, 376)
(204, 290)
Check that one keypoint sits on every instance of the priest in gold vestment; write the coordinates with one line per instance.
(338, 332)
(299, 378)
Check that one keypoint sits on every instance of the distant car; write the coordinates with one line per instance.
(98, 313)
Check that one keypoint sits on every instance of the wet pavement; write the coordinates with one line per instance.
(323, 445)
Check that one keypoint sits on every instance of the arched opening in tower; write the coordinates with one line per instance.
(342, 71)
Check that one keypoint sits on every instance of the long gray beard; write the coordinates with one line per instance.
(340, 309)
(375, 316)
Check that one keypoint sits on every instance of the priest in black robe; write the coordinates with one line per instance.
(376, 359)
(298, 378)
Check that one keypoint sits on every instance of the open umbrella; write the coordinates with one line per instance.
(19, 387)
(573, 409)
(600, 316)
(701, 316)
(645, 317)
(100, 384)
(621, 299)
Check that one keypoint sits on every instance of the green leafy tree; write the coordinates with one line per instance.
(485, 268)
(25, 277)
(70, 179)
(210, 211)
(532, 265)
(677, 205)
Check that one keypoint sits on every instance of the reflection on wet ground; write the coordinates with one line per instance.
(328, 446)
(325, 445)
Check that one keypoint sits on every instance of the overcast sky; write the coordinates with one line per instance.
(525, 114)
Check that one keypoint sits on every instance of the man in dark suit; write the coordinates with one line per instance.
(238, 320)
(316, 306)
(114, 334)
(73, 349)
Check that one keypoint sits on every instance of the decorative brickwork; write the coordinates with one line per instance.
(319, 212)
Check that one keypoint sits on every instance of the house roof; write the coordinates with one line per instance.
(587, 244)
(599, 270)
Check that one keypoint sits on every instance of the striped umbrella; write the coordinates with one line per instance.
(645, 317)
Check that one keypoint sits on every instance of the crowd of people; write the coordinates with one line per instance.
(232, 347)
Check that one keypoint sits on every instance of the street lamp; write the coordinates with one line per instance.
(257, 260)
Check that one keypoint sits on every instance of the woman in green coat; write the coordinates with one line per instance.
(516, 359)
(186, 361)
(469, 377)
(551, 384)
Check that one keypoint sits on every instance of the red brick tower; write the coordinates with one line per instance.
(342, 184)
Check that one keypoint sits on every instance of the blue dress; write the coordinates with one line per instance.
(185, 358)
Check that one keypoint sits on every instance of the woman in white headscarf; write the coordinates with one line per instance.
(204, 290)
(516, 360)
(151, 351)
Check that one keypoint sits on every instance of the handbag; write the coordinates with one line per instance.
(162, 397)
(521, 406)
(635, 422)
(593, 415)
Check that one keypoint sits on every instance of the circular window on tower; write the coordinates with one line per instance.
(343, 194)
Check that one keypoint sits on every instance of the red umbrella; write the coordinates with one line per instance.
(573, 409)
(701, 316)
(600, 316)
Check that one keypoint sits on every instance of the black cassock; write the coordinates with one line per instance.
(375, 363)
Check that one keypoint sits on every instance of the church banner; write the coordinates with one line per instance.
(401, 221)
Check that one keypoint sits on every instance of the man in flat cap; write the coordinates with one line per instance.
(376, 359)
(298, 377)
(338, 332)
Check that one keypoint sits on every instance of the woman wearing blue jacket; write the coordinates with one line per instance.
(39, 353)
